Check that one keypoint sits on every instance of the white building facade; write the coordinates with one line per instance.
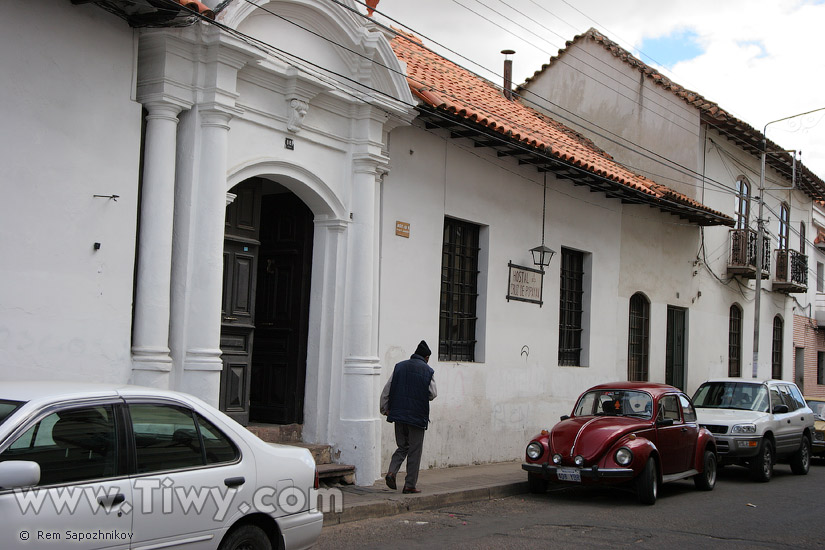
(258, 212)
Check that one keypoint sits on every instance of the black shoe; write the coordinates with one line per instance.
(390, 479)
(407, 490)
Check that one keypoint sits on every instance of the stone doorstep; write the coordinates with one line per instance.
(276, 433)
(291, 434)
(336, 473)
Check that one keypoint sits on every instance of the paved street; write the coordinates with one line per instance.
(784, 513)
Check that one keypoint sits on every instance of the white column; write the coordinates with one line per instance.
(151, 362)
(202, 362)
(359, 409)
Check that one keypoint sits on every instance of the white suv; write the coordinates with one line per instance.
(757, 423)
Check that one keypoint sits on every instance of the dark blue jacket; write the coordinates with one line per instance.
(410, 392)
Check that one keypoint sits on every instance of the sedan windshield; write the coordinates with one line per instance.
(818, 407)
(615, 403)
(8, 407)
(732, 395)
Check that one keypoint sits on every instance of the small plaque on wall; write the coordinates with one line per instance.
(402, 229)
(525, 284)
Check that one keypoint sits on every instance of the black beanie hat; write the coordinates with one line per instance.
(423, 349)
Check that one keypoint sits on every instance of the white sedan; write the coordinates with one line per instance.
(90, 466)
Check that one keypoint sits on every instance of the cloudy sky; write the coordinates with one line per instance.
(760, 60)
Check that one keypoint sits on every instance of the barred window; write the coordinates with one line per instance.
(776, 352)
(820, 367)
(638, 340)
(571, 294)
(459, 291)
(735, 342)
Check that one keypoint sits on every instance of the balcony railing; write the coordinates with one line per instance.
(743, 251)
(791, 271)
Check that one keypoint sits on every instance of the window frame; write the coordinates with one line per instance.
(462, 320)
(784, 226)
(638, 338)
(571, 307)
(735, 342)
(741, 206)
(777, 339)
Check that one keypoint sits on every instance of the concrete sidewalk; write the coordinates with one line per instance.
(439, 487)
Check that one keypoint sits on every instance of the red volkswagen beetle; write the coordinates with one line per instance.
(625, 432)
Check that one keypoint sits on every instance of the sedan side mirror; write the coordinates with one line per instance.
(664, 422)
(19, 473)
(564, 417)
(780, 409)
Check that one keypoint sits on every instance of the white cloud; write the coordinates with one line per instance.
(761, 58)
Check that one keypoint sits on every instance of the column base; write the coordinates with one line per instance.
(360, 445)
(151, 367)
(202, 375)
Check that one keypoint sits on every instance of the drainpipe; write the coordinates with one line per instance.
(508, 73)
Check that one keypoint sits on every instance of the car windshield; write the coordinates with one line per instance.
(8, 407)
(615, 403)
(818, 407)
(732, 395)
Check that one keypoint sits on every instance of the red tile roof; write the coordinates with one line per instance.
(744, 135)
(448, 88)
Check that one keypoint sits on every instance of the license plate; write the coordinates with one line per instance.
(569, 474)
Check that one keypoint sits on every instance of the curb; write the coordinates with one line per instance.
(394, 506)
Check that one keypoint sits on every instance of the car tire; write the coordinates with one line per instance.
(246, 537)
(801, 460)
(706, 480)
(761, 465)
(536, 484)
(647, 485)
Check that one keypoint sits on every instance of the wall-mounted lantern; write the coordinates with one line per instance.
(542, 254)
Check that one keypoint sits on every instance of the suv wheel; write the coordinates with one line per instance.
(801, 460)
(707, 479)
(762, 464)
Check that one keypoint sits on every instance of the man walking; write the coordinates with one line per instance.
(406, 402)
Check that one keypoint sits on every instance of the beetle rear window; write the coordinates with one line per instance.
(615, 403)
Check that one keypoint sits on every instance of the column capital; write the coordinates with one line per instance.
(371, 163)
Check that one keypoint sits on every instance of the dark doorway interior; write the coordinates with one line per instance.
(267, 268)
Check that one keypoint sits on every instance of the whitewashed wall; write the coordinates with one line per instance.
(71, 130)
(626, 114)
(487, 410)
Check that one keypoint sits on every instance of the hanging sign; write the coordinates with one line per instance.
(525, 284)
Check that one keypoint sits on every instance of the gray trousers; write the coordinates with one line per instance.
(410, 441)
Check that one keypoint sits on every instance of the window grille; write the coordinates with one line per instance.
(459, 291)
(571, 293)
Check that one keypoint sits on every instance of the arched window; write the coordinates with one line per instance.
(638, 339)
(735, 342)
(802, 238)
(742, 204)
(776, 351)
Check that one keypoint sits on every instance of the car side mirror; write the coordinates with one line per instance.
(780, 409)
(564, 417)
(664, 422)
(19, 473)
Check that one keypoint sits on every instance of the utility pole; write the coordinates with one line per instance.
(760, 237)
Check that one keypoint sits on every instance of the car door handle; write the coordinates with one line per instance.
(684, 430)
(234, 481)
(111, 500)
